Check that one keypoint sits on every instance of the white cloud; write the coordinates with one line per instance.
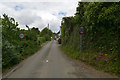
(39, 0)
(39, 14)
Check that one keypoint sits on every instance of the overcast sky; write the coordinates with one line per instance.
(36, 13)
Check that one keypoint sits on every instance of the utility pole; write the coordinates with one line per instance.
(48, 25)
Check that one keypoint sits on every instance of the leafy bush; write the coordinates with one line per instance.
(15, 49)
(102, 33)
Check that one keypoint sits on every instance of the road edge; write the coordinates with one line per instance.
(15, 67)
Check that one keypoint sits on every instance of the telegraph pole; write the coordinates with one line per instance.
(48, 25)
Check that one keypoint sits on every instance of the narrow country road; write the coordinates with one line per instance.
(50, 62)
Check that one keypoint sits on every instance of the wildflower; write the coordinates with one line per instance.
(105, 60)
(96, 58)
(99, 56)
(83, 59)
(100, 53)
(106, 54)
(111, 49)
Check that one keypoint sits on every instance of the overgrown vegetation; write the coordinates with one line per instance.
(15, 49)
(101, 38)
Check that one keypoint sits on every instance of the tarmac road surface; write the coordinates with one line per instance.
(51, 62)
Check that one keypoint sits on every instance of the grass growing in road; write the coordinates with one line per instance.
(99, 60)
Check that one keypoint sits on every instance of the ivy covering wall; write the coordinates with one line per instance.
(101, 39)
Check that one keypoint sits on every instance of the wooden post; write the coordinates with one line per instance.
(80, 42)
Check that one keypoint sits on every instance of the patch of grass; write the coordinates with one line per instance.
(100, 61)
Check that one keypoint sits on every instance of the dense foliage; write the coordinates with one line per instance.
(46, 33)
(101, 38)
(15, 49)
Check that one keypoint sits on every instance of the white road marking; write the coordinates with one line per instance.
(46, 60)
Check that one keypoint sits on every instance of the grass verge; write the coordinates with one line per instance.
(99, 61)
(29, 52)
